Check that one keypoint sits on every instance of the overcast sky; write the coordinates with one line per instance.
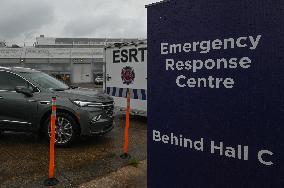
(22, 20)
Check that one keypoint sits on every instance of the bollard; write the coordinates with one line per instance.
(126, 155)
(52, 181)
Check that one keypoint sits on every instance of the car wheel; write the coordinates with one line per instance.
(66, 129)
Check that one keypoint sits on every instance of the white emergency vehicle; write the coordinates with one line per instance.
(126, 68)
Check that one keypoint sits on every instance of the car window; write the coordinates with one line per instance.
(9, 81)
(46, 81)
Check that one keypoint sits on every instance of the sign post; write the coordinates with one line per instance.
(126, 155)
(52, 181)
(216, 94)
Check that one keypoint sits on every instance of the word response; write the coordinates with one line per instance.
(208, 64)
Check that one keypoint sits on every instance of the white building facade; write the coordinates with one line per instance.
(74, 60)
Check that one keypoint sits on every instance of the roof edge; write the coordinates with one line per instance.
(122, 44)
(157, 3)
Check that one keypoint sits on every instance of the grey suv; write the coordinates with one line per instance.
(25, 106)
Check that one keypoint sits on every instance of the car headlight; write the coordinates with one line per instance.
(87, 103)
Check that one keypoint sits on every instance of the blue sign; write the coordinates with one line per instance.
(216, 94)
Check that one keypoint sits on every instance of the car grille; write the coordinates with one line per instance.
(108, 107)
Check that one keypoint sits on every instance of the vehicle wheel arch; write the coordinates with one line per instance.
(58, 109)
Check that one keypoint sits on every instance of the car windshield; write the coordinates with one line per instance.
(46, 81)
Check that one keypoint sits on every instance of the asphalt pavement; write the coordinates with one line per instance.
(128, 176)
(24, 158)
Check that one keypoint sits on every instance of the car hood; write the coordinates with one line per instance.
(85, 94)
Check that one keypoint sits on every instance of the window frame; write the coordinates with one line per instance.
(21, 77)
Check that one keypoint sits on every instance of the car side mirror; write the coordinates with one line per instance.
(26, 91)
(73, 87)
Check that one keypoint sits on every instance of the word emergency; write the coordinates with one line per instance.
(249, 42)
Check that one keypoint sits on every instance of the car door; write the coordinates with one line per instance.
(17, 111)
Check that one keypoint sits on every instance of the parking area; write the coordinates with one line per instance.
(24, 158)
